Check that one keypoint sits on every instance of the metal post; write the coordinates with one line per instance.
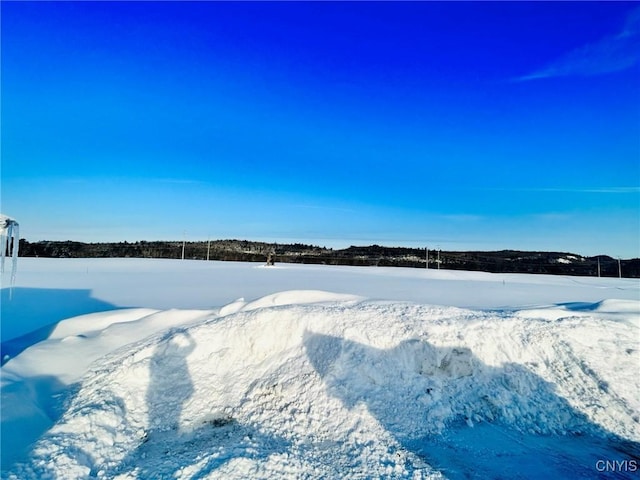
(184, 240)
(619, 268)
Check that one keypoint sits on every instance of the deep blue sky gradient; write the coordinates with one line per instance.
(459, 125)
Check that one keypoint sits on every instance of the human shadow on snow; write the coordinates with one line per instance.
(165, 449)
(468, 419)
(170, 384)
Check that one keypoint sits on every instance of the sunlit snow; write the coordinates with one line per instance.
(232, 370)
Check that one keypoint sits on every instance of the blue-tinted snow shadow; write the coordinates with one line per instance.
(29, 315)
(580, 306)
(501, 422)
(30, 408)
(164, 449)
(163, 454)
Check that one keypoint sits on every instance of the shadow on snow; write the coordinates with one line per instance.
(465, 418)
(165, 449)
(36, 311)
(29, 315)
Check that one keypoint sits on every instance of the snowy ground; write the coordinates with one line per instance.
(397, 373)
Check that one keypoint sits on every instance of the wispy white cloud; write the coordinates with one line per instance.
(462, 217)
(178, 181)
(604, 190)
(120, 180)
(616, 190)
(324, 207)
(611, 54)
(551, 217)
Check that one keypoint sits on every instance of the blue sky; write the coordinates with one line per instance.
(454, 125)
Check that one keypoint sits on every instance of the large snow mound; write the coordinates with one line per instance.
(318, 385)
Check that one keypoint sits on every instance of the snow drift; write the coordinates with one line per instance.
(318, 385)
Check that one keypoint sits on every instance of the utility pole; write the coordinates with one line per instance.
(184, 240)
(619, 268)
(208, 247)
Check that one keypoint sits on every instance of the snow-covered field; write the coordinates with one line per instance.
(148, 369)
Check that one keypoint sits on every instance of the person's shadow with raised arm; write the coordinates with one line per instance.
(165, 448)
(170, 384)
(465, 418)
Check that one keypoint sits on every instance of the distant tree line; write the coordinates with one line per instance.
(504, 261)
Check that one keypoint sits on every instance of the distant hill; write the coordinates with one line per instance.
(504, 261)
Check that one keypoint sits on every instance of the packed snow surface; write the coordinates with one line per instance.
(321, 382)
